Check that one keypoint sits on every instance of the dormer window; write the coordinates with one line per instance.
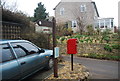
(62, 10)
(83, 8)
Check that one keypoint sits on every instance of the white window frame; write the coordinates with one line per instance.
(83, 8)
(62, 10)
(74, 23)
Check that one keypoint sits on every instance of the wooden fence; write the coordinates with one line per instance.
(11, 30)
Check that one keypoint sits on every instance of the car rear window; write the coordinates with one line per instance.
(6, 53)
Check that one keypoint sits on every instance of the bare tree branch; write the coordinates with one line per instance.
(5, 5)
(81, 20)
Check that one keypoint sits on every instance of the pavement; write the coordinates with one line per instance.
(99, 69)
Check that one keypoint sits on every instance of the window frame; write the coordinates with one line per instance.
(25, 48)
(83, 8)
(74, 22)
(62, 10)
(17, 54)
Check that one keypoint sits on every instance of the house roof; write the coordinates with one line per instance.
(56, 6)
(95, 8)
(44, 23)
(91, 2)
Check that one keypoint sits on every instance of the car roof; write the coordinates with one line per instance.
(6, 41)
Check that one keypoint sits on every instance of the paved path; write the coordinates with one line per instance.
(99, 69)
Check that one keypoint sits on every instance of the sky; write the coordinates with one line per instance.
(106, 8)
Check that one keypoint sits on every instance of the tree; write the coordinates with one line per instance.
(80, 24)
(80, 19)
(40, 12)
(6, 5)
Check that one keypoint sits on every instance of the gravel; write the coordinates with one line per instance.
(79, 72)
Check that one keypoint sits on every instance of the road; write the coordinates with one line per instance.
(42, 74)
(99, 69)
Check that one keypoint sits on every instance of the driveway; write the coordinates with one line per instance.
(99, 69)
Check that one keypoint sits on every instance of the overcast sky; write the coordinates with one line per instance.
(106, 8)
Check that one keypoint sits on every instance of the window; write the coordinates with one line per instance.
(66, 25)
(62, 11)
(96, 25)
(107, 23)
(83, 8)
(111, 22)
(74, 23)
(29, 47)
(101, 23)
(20, 51)
(6, 53)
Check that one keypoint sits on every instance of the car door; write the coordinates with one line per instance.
(28, 57)
(9, 66)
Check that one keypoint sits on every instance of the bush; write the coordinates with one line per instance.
(106, 32)
(63, 38)
(106, 38)
(115, 37)
(108, 48)
(77, 36)
(115, 46)
(82, 41)
(15, 17)
(39, 39)
(90, 30)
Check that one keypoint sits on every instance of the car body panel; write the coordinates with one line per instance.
(10, 70)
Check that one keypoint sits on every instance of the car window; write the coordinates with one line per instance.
(29, 47)
(6, 53)
(19, 51)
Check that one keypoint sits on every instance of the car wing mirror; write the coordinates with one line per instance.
(42, 50)
(32, 52)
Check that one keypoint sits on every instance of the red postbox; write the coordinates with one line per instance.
(72, 46)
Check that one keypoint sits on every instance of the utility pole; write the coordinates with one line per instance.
(54, 45)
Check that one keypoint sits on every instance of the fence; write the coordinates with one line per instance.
(11, 30)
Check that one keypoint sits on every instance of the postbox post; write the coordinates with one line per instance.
(72, 62)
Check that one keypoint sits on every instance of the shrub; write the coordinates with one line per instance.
(108, 48)
(81, 40)
(106, 38)
(77, 36)
(115, 46)
(106, 32)
(90, 30)
(63, 38)
(39, 39)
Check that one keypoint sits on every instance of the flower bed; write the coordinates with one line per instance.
(79, 73)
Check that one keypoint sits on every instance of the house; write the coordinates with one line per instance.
(105, 23)
(43, 26)
(68, 11)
